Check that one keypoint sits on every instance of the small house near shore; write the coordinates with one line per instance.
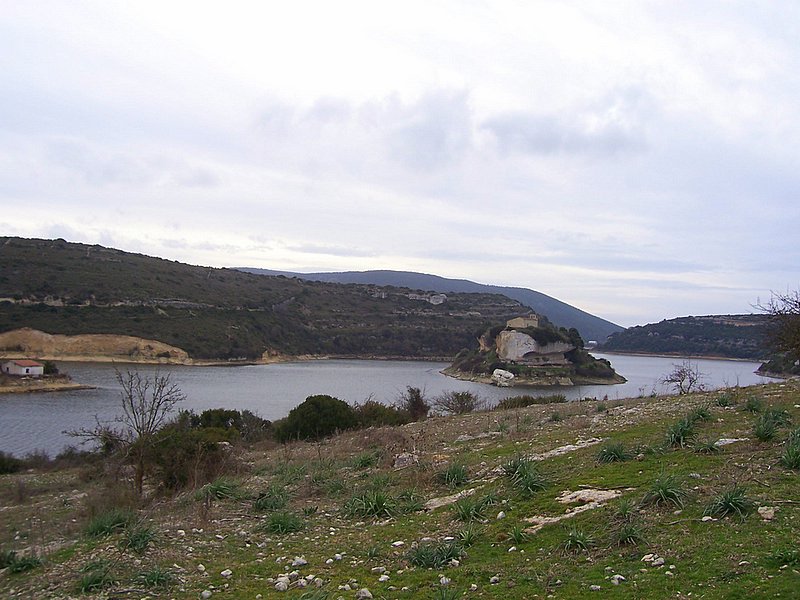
(23, 367)
(530, 320)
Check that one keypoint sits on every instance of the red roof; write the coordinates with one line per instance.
(27, 363)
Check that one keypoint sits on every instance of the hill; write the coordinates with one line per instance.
(512, 505)
(70, 288)
(559, 313)
(728, 336)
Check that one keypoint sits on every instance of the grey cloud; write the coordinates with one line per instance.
(610, 126)
(331, 250)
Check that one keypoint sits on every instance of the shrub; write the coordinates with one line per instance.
(528, 400)
(733, 501)
(458, 403)
(468, 535)
(109, 522)
(413, 403)
(97, 575)
(765, 428)
(726, 398)
(525, 475)
(366, 460)
(317, 417)
(699, 414)
(613, 452)
(20, 564)
(409, 501)
(626, 510)
(666, 489)
(9, 464)
(555, 417)
(628, 533)
(453, 476)
(791, 455)
(184, 457)
(375, 414)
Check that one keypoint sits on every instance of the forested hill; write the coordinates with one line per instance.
(69, 288)
(559, 313)
(730, 336)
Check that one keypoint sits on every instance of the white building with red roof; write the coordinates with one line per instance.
(24, 367)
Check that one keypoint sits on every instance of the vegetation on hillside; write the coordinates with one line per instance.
(730, 336)
(68, 288)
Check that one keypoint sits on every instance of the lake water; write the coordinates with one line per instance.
(31, 422)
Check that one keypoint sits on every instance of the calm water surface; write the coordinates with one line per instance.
(31, 422)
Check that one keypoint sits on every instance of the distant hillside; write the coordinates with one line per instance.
(68, 288)
(559, 313)
(730, 336)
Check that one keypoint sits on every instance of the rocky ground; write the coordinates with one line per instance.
(498, 504)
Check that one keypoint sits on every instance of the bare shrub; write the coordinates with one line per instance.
(458, 403)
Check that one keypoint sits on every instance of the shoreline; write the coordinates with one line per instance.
(667, 355)
(551, 383)
(43, 386)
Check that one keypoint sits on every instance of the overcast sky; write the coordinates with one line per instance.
(639, 160)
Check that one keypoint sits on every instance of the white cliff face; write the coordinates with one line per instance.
(516, 346)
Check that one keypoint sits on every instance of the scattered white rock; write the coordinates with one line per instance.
(647, 558)
(512, 549)
(728, 441)
(406, 459)
(454, 562)
(495, 579)
(767, 512)
(383, 578)
(329, 561)
(181, 532)
(378, 570)
(201, 568)
(444, 580)
(617, 579)
(669, 573)
(706, 519)
(594, 588)
(205, 594)
(363, 594)
(299, 561)
(398, 543)
(337, 556)
(744, 563)
(473, 587)
(226, 573)
(281, 586)
(657, 562)
(500, 515)
(301, 583)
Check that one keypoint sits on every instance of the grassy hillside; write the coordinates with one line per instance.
(559, 313)
(730, 336)
(632, 492)
(69, 288)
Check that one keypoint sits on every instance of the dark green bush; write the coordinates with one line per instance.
(317, 417)
(375, 414)
(9, 464)
(189, 457)
(528, 400)
(414, 403)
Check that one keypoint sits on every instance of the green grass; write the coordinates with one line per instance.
(613, 452)
(434, 555)
(283, 523)
(680, 433)
(275, 498)
(220, 489)
(525, 476)
(137, 539)
(455, 475)
(577, 540)
(371, 503)
(109, 522)
(157, 577)
(665, 490)
(731, 502)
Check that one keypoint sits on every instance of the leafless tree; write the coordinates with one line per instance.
(458, 403)
(783, 311)
(146, 404)
(684, 378)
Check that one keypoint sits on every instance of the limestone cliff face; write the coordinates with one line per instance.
(518, 347)
(38, 344)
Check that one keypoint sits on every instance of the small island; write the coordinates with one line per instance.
(530, 351)
(24, 375)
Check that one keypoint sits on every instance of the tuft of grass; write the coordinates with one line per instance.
(518, 535)
(371, 503)
(470, 509)
(733, 501)
(600, 408)
(701, 414)
(365, 460)
(96, 576)
(409, 501)
(525, 475)
(157, 577)
(765, 429)
(577, 540)
(726, 399)
(706, 447)
(275, 498)
(788, 556)
(666, 489)
(20, 564)
(283, 523)
(109, 522)
(434, 555)
(613, 452)
(626, 510)
(556, 417)
(446, 593)
(791, 457)
(753, 404)
(373, 552)
(468, 535)
(629, 533)
(680, 433)
(137, 539)
(453, 476)
(220, 489)
(779, 416)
